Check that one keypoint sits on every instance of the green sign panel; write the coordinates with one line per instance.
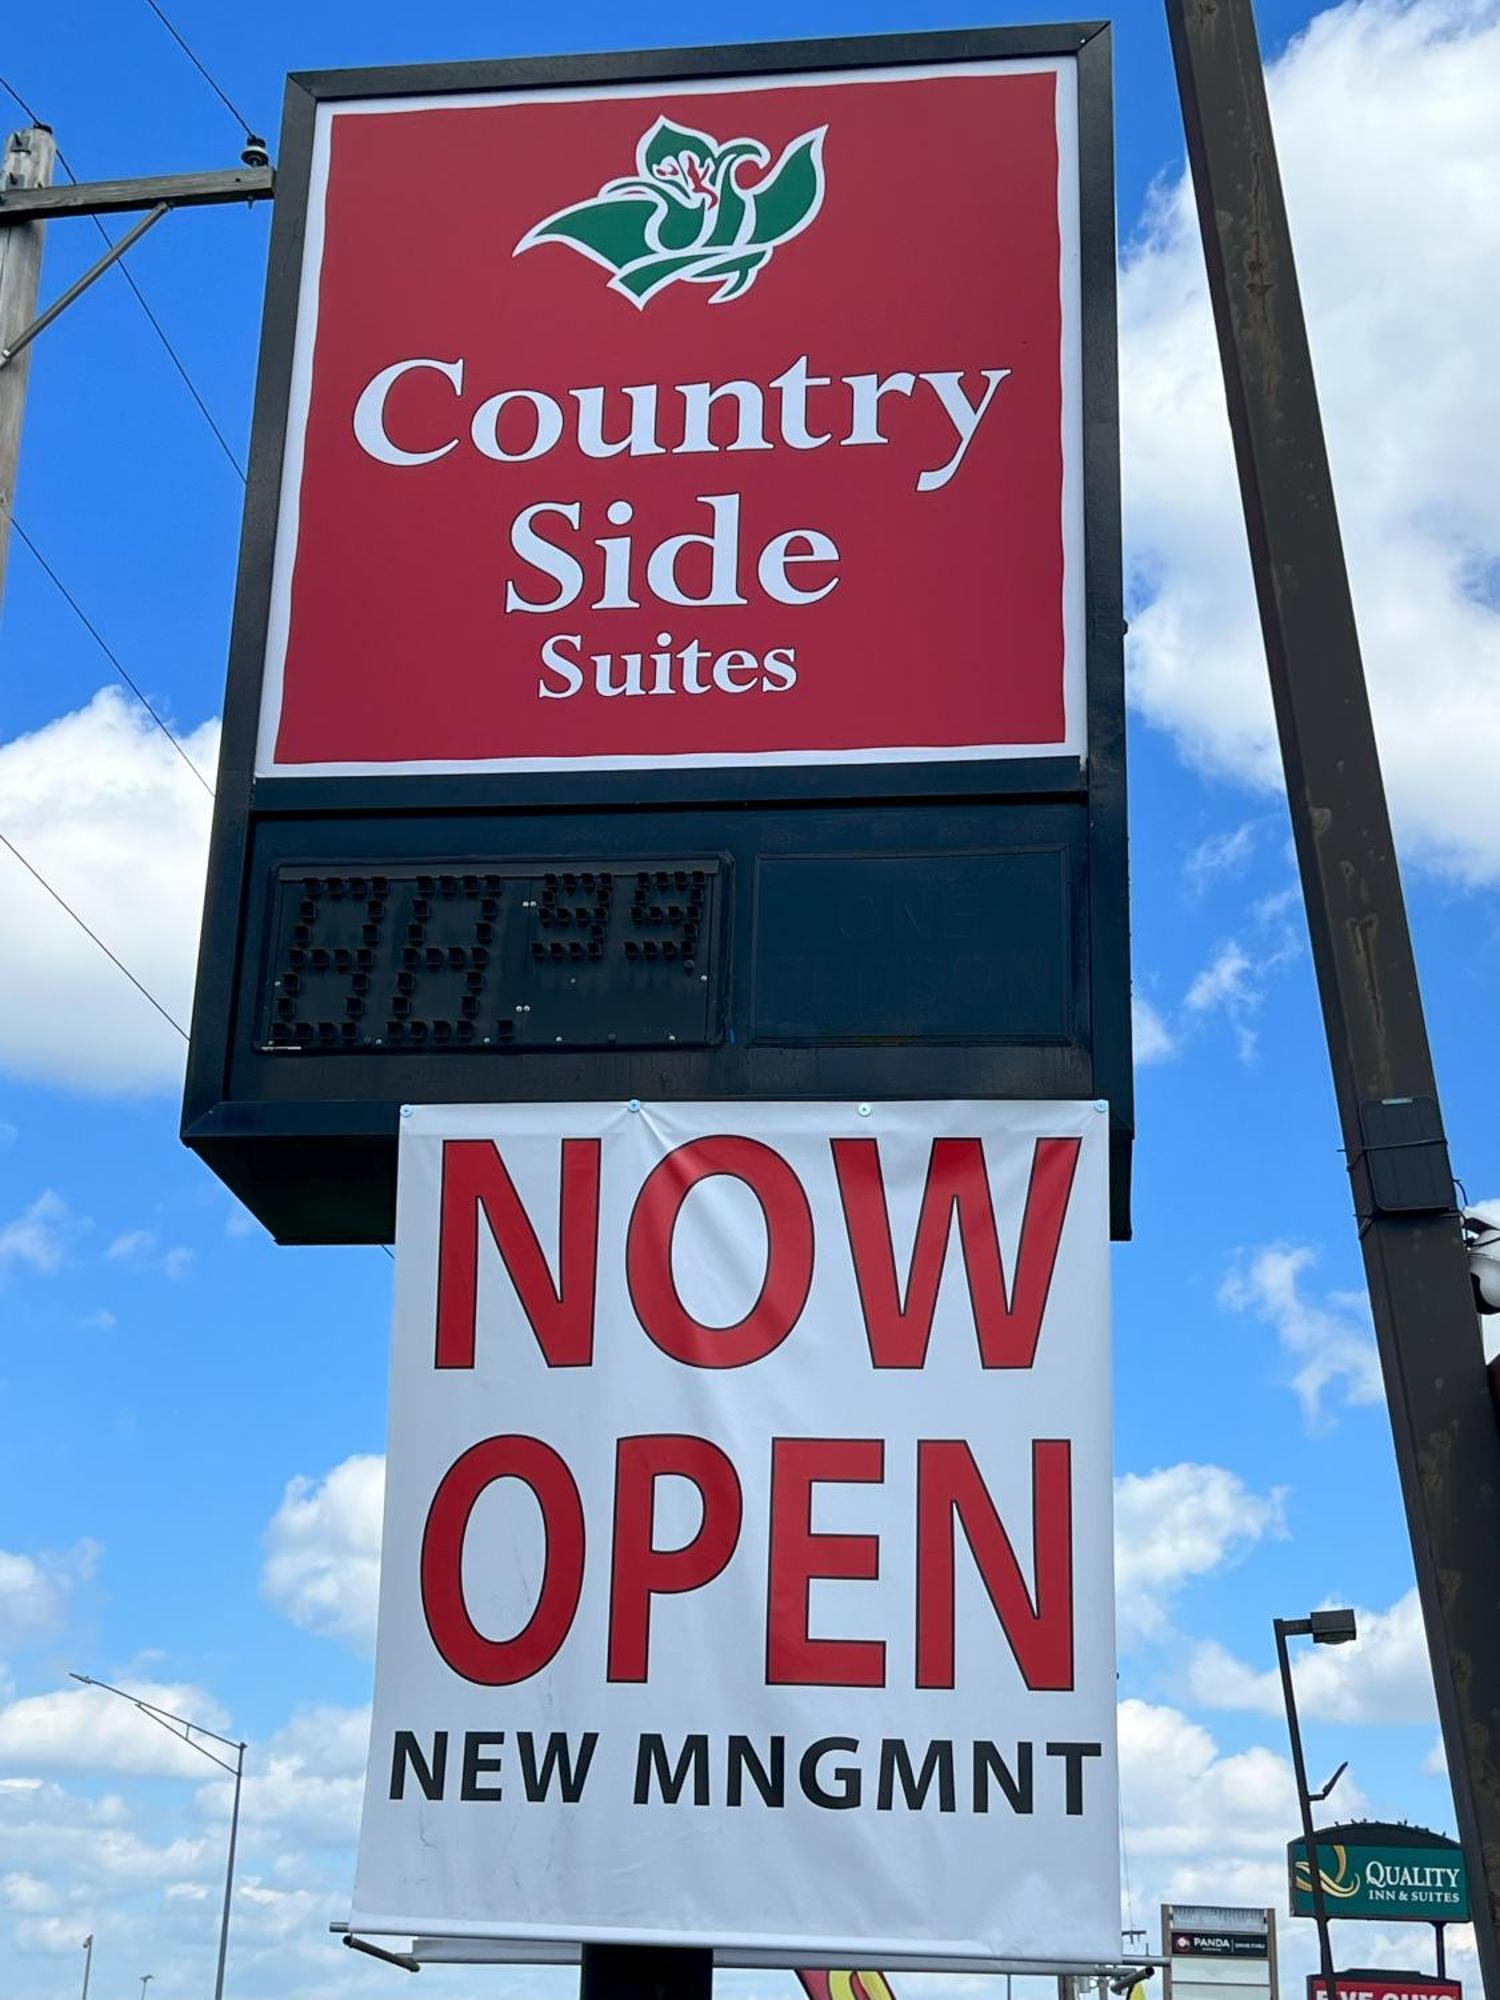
(1410, 1877)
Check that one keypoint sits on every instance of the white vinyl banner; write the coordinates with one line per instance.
(747, 1577)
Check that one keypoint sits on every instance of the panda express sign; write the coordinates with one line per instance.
(747, 1565)
(638, 424)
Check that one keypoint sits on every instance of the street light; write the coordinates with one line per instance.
(88, 1963)
(1324, 1628)
(188, 1732)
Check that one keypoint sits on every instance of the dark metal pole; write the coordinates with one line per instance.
(1440, 1931)
(1304, 1805)
(645, 1972)
(234, 1827)
(1446, 1439)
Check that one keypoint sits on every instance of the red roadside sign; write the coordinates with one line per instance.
(681, 429)
(1386, 1986)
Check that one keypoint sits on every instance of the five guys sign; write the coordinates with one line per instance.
(678, 637)
(747, 1576)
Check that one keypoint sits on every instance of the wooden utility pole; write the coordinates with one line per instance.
(1416, 1266)
(27, 199)
(29, 155)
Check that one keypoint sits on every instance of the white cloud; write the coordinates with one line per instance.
(1153, 1040)
(1224, 982)
(1233, 983)
(142, 1250)
(1384, 1676)
(102, 805)
(1177, 1523)
(308, 1779)
(1222, 855)
(1390, 152)
(1329, 1341)
(1203, 1826)
(34, 1591)
(322, 1566)
(25, 1893)
(40, 1235)
(86, 1729)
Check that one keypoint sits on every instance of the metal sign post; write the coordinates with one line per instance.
(1447, 1444)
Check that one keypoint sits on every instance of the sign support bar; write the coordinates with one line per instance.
(1447, 1443)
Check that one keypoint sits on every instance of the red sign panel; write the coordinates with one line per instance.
(706, 424)
(1385, 1986)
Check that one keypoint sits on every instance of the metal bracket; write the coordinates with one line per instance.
(80, 285)
(404, 1959)
(1403, 1161)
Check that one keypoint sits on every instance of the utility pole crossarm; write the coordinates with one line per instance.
(36, 204)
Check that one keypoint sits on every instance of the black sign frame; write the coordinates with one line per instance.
(309, 1144)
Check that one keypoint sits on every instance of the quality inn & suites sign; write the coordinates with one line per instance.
(1383, 1872)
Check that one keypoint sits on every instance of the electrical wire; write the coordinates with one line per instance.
(177, 362)
(118, 963)
(68, 596)
(107, 650)
(156, 326)
(223, 97)
(11, 91)
(62, 902)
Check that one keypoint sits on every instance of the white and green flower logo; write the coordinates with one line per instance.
(684, 215)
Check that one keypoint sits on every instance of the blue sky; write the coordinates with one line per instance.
(166, 1374)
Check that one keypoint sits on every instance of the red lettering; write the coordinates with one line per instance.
(1040, 1634)
(502, 1662)
(789, 1253)
(640, 1570)
(476, 1182)
(1008, 1327)
(793, 1657)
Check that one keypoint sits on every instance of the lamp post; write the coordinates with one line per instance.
(1324, 1628)
(88, 1964)
(188, 1732)
(146, 1977)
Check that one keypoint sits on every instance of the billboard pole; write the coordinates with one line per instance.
(1447, 1443)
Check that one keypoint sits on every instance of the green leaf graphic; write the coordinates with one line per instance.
(684, 215)
(614, 230)
(786, 198)
(669, 141)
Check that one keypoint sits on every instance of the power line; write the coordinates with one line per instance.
(99, 640)
(240, 119)
(94, 935)
(177, 362)
(11, 91)
(118, 963)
